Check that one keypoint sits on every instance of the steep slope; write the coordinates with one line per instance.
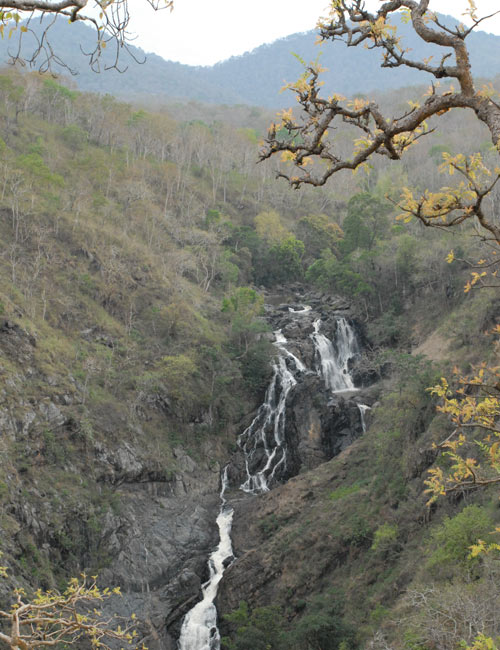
(134, 352)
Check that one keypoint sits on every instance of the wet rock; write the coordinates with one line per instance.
(319, 426)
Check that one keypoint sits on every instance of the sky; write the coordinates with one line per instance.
(202, 32)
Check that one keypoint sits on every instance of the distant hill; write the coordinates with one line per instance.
(255, 77)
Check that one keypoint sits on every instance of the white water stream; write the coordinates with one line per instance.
(334, 361)
(263, 441)
(264, 447)
(199, 629)
(363, 408)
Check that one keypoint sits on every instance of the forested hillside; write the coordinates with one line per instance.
(138, 251)
(238, 80)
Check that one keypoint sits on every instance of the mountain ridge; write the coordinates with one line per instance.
(239, 79)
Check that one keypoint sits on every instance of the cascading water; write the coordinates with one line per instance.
(264, 447)
(280, 342)
(263, 441)
(362, 410)
(334, 361)
(199, 629)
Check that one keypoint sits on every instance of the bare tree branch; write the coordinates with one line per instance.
(308, 141)
(110, 19)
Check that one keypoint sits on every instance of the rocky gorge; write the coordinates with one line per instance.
(312, 411)
(159, 536)
(159, 526)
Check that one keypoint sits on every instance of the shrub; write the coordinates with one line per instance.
(450, 543)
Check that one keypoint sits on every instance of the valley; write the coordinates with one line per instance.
(231, 400)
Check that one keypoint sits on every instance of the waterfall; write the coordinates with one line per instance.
(199, 628)
(334, 361)
(263, 441)
(362, 410)
(264, 446)
(280, 342)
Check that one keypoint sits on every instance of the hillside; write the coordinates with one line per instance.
(239, 80)
(146, 261)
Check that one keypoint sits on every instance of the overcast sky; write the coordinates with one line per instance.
(202, 32)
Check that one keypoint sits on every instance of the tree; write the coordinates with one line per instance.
(52, 618)
(244, 307)
(110, 18)
(473, 408)
(269, 227)
(318, 232)
(365, 222)
(311, 145)
(311, 155)
(284, 263)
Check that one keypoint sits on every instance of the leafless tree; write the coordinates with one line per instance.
(33, 19)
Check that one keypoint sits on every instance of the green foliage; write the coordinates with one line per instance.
(178, 370)
(336, 276)
(229, 271)
(269, 525)
(365, 222)
(34, 165)
(284, 261)
(4, 491)
(406, 258)
(322, 626)
(385, 537)
(270, 228)
(451, 543)
(243, 308)
(212, 217)
(356, 234)
(355, 530)
(344, 491)
(414, 372)
(389, 329)
(52, 89)
(318, 232)
(74, 136)
(259, 629)
(256, 367)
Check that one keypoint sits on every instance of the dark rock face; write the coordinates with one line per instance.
(319, 424)
(160, 544)
(155, 540)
